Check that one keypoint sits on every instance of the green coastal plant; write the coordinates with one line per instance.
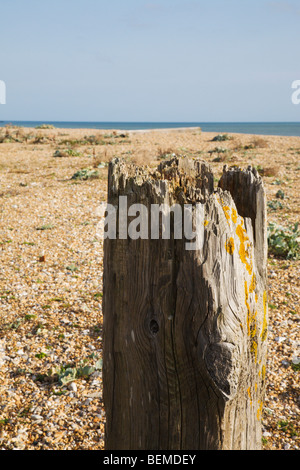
(280, 194)
(218, 150)
(69, 373)
(72, 267)
(221, 138)
(41, 355)
(85, 174)
(283, 242)
(45, 126)
(287, 427)
(277, 182)
(274, 205)
(45, 227)
(66, 153)
(295, 367)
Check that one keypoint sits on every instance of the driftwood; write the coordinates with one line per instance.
(185, 329)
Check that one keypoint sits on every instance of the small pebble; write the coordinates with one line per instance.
(88, 401)
(280, 339)
(72, 387)
(285, 363)
(37, 417)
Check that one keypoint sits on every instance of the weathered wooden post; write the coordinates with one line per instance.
(185, 324)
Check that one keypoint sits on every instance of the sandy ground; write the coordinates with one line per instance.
(51, 277)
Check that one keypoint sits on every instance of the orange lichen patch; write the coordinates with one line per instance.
(205, 223)
(253, 329)
(252, 284)
(245, 247)
(234, 215)
(246, 292)
(226, 212)
(248, 308)
(249, 394)
(248, 318)
(253, 349)
(229, 245)
(264, 330)
(255, 387)
(251, 324)
(263, 371)
(256, 298)
(259, 409)
(252, 332)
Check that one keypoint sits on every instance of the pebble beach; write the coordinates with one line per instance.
(51, 183)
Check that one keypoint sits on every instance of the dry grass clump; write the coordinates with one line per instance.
(164, 153)
(255, 143)
(259, 142)
(222, 154)
(40, 138)
(268, 171)
(97, 139)
(9, 193)
(101, 158)
(271, 171)
(12, 135)
(15, 134)
(144, 157)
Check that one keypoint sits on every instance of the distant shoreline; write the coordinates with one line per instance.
(285, 129)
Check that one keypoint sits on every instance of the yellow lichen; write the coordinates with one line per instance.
(245, 247)
(259, 409)
(234, 216)
(264, 330)
(263, 371)
(226, 212)
(205, 223)
(249, 394)
(246, 291)
(252, 284)
(229, 245)
(253, 325)
(254, 349)
(248, 308)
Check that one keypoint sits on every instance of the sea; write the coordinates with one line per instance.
(256, 128)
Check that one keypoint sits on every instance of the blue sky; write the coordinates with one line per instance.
(149, 60)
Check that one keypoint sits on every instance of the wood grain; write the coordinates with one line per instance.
(185, 330)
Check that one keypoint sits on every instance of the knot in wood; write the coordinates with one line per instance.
(154, 327)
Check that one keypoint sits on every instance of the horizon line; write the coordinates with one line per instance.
(157, 122)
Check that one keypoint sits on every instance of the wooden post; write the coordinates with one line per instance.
(185, 329)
